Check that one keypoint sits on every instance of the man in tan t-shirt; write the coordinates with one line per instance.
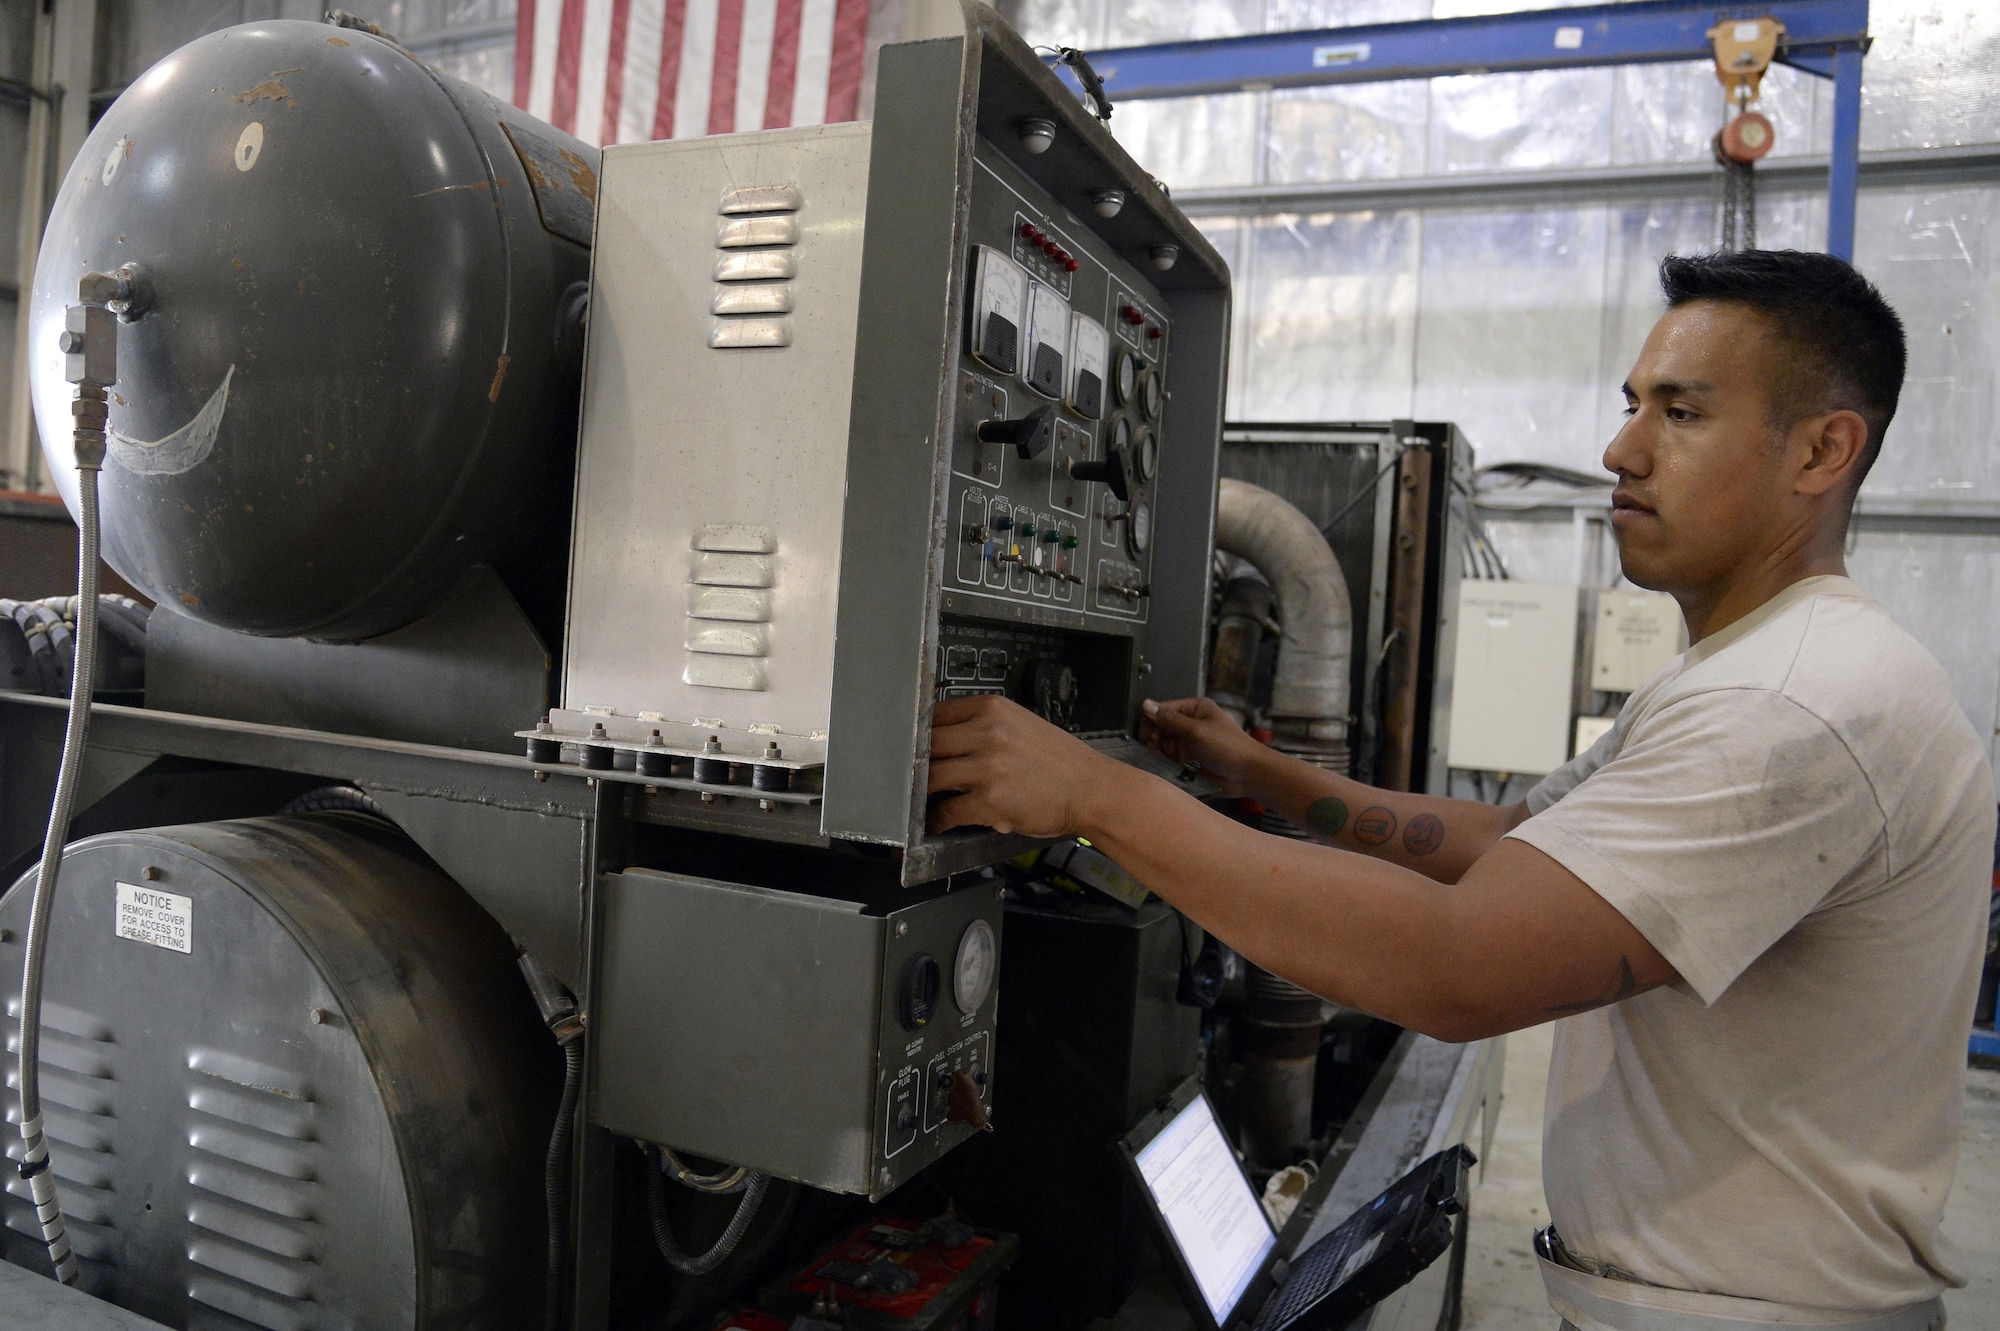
(1757, 906)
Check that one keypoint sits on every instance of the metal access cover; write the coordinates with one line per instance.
(327, 1111)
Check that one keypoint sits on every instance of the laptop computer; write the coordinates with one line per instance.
(1225, 1255)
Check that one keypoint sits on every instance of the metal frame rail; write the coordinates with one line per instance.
(1826, 38)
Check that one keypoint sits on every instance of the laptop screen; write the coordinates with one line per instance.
(1208, 1206)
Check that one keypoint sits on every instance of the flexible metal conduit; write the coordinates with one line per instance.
(1309, 698)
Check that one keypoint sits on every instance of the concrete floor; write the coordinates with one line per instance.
(1503, 1290)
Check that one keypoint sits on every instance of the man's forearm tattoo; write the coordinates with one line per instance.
(1424, 834)
(1622, 987)
(1374, 826)
(1326, 817)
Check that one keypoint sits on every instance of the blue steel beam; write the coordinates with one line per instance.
(1844, 176)
(1647, 32)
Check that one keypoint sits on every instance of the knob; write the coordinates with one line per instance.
(1112, 471)
(964, 1105)
(1029, 435)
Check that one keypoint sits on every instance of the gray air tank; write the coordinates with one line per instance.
(351, 370)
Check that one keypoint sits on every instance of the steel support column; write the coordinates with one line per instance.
(1843, 177)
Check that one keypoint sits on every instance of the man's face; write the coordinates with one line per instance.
(1703, 486)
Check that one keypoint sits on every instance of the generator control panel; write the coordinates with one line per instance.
(875, 415)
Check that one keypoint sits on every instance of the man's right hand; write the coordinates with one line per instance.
(1195, 730)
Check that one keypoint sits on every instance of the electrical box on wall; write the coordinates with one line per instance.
(1513, 676)
(1638, 633)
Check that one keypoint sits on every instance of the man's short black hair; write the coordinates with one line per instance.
(1848, 351)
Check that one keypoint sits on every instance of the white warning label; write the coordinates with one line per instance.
(148, 915)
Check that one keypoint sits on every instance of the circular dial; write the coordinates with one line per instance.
(1146, 457)
(1125, 376)
(1121, 434)
(1149, 395)
(1139, 526)
(972, 971)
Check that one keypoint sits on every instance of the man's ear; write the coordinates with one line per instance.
(1835, 443)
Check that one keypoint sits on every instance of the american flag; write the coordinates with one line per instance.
(628, 71)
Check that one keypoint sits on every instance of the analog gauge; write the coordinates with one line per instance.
(977, 963)
(1146, 458)
(1121, 435)
(1127, 380)
(1149, 395)
(1139, 526)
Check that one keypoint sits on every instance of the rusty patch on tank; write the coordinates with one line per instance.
(272, 90)
(499, 376)
(535, 176)
(335, 41)
(189, 598)
(580, 174)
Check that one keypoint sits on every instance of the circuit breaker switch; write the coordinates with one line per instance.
(1112, 471)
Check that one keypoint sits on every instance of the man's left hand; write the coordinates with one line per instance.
(1013, 771)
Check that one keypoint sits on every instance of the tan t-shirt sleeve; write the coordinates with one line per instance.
(1722, 821)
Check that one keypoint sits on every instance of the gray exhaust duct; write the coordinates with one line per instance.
(1309, 698)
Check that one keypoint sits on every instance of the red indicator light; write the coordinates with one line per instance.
(1028, 230)
(1069, 265)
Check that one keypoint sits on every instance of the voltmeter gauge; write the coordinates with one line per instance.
(1139, 526)
(1149, 396)
(973, 970)
(1121, 435)
(1125, 379)
(1146, 457)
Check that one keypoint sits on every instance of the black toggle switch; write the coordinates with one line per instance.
(1112, 471)
(1030, 435)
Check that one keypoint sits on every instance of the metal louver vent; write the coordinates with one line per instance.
(253, 1176)
(78, 1073)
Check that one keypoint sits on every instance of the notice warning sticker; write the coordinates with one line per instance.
(148, 915)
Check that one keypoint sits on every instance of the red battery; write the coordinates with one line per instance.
(897, 1274)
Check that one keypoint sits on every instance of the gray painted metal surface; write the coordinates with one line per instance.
(342, 385)
(802, 1062)
(293, 1078)
(463, 676)
(30, 1302)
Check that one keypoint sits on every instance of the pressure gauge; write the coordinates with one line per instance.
(973, 970)
(1149, 395)
(1139, 526)
(1121, 435)
(1146, 457)
(1125, 380)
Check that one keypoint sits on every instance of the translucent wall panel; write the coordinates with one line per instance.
(1301, 15)
(1360, 131)
(1508, 340)
(1140, 22)
(1330, 317)
(1192, 142)
(412, 18)
(1928, 582)
(488, 67)
(1932, 77)
(1077, 23)
(1539, 121)
(1936, 256)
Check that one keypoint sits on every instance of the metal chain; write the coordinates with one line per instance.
(1739, 206)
